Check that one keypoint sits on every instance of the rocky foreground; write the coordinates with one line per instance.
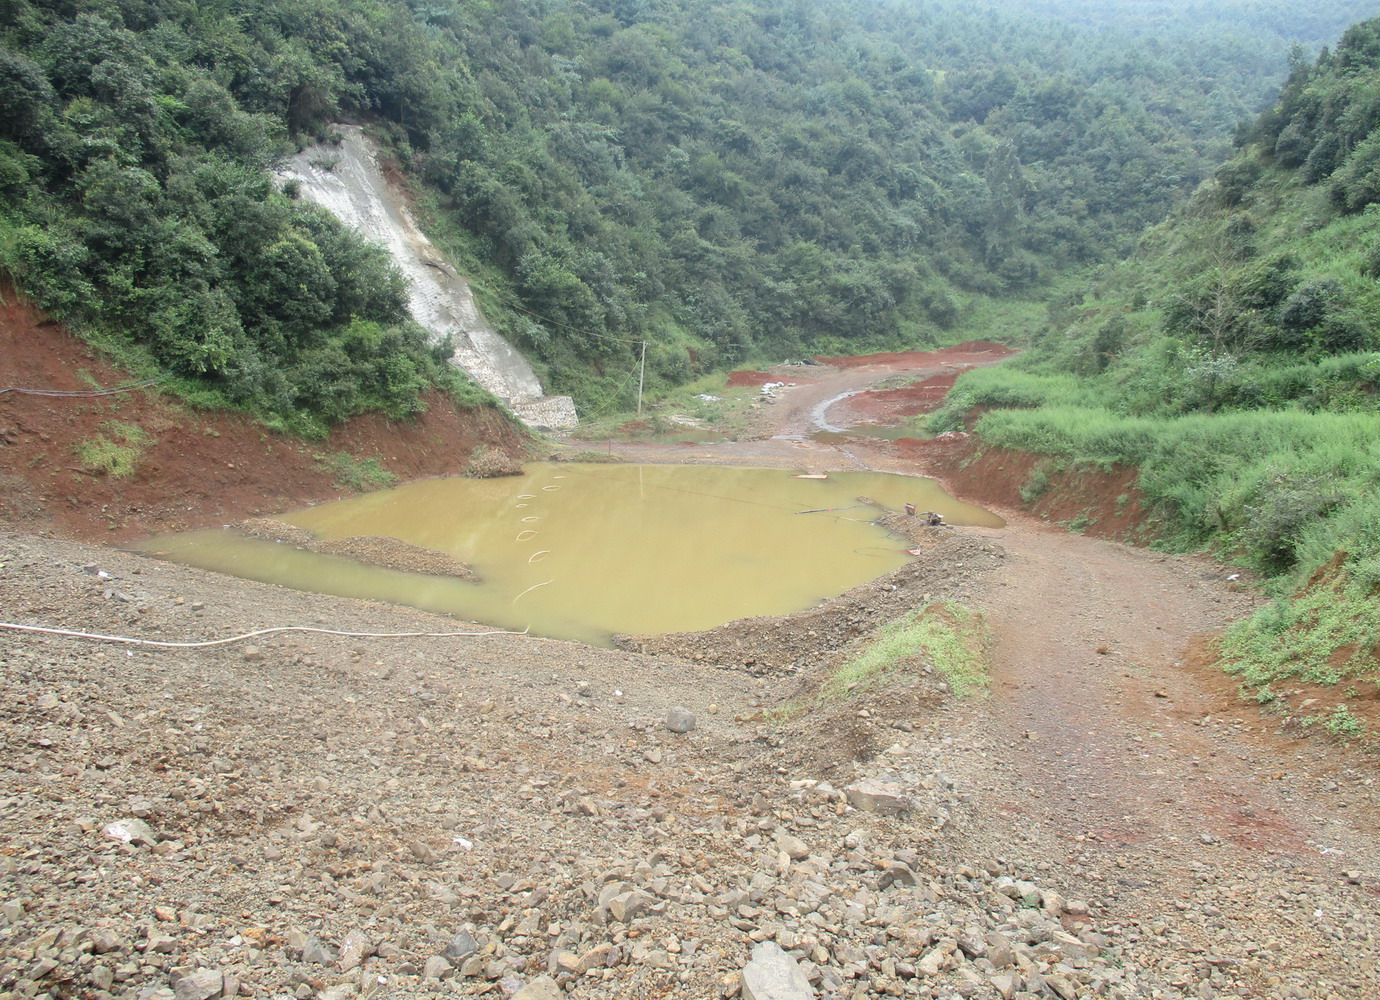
(319, 816)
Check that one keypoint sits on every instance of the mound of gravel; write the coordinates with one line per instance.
(271, 530)
(392, 553)
(371, 550)
(948, 564)
(326, 817)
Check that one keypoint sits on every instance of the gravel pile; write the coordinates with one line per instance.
(272, 530)
(371, 550)
(305, 815)
(392, 553)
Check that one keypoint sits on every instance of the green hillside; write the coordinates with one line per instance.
(1235, 359)
(721, 180)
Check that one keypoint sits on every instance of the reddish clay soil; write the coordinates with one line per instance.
(736, 379)
(1097, 503)
(890, 406)
(200, 469)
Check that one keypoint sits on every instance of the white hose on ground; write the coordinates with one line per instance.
(249, 635)
(78, 393)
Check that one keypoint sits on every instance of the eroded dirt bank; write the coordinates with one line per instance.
(315, 815)
(194, 469)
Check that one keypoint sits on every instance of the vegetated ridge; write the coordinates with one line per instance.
(111, 468)
(1233, 361)
(715, 182)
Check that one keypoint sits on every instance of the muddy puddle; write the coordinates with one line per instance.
(585, 551)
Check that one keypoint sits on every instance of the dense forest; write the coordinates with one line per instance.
(1235, 360)
(721, 180)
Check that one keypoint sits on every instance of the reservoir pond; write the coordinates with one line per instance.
(584, 551)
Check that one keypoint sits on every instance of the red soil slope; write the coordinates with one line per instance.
(199, 469)
(1094, 502)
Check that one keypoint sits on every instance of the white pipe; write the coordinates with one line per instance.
(250, 635)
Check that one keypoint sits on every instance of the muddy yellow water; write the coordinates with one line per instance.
(585, 551)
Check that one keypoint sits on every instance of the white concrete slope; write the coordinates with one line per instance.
(345, 179)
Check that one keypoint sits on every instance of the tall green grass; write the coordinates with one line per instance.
(1007, 385)
(1234, 361)
(951, 639)
(1280, 490)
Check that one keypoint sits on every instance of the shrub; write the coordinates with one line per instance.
(1285, 506)
(1324, 635)
(1034, 487)
(1343, 725)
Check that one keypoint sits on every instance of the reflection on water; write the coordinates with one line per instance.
(583, 551)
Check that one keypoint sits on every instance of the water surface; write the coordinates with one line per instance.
(584, 551)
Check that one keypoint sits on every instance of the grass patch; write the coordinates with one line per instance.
(954, 640)
(1038, 482)
(1326, 635)
(1082, 523)
(1277, 489)
(587, 456)
(1343, 725)
(359, 475)
(115, 451)
(728, 414)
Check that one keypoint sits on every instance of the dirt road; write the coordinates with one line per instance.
(1109, 750)
(786, 429)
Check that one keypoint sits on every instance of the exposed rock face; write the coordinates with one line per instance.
(345, 178)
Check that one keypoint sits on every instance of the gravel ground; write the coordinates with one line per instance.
(313, 815)
(308, 815)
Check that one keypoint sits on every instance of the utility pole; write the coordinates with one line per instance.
(641, 377)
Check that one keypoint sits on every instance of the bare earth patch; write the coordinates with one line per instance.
(199, 469)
